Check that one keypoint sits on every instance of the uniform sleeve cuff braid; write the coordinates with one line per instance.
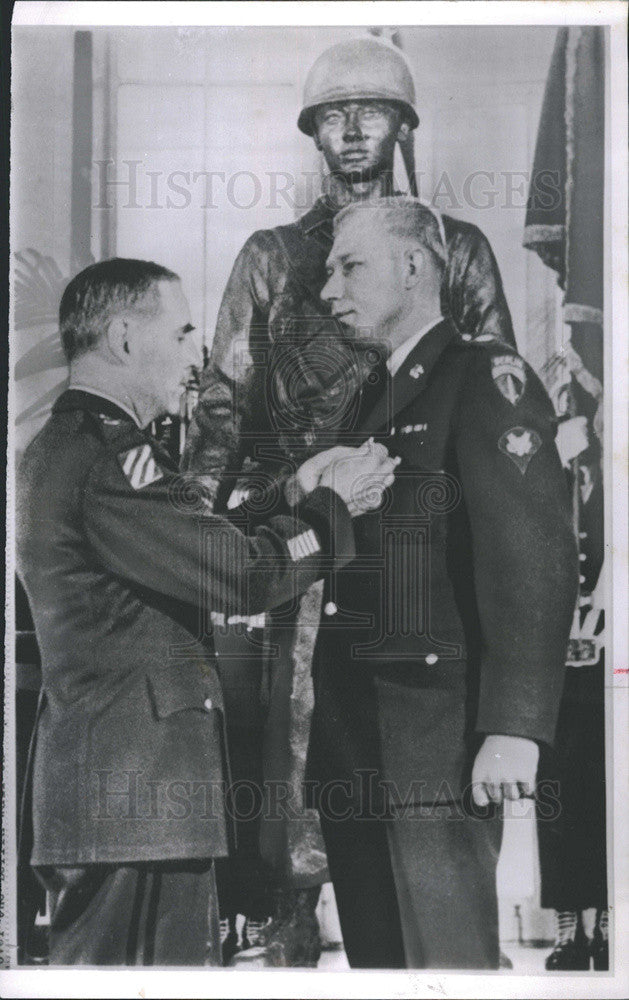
(327, 513)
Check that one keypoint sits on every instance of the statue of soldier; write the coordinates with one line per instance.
(282, 383)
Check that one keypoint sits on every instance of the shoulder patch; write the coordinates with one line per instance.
(139, 466)
(509, 375)
(520, 444)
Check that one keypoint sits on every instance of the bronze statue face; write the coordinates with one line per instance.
(358, 137)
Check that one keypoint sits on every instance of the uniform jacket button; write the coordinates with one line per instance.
(330, 609)
(431, 659)
(207, 704)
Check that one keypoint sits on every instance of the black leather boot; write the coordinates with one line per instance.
(600, 952)
(570, 956)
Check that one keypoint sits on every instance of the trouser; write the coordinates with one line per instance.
(360, 868)
(571, 822)
(157, 913)
(417, 892)
(444, 870)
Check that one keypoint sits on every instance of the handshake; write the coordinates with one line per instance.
(359, 475)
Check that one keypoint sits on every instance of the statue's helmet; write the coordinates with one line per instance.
(357, 69)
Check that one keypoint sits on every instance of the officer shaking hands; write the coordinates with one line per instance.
(440, 661)
(123, 565)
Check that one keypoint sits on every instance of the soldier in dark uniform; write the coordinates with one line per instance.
(123, 566)
(572, 841)
(359, 101)
(440, 661)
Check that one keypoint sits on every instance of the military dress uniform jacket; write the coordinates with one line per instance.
(274, 292)
(122, 567)
(453, 620)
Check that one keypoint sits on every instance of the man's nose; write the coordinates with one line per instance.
(352, 130)
(332, 288)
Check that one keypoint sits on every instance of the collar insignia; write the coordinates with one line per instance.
(520, 444)
(507, 371)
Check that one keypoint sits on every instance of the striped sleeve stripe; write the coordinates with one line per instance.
(140, 467)
(133, 457)
(140, 474)
(301, 546)
(311, 541)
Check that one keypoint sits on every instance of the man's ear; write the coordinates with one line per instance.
(315, 139)
(117, 337)
(415, 264)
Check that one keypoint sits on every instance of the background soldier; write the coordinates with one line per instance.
(279, 369)
(117, 556)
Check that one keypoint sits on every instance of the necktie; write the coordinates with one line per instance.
(376, 383)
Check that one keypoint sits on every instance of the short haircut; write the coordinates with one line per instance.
(406, 218)
(102, 291)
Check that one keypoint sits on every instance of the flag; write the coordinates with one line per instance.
(565, 226)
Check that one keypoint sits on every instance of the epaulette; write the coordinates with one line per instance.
(489, 344)
(104, 427)
(484, 340)
(113, 430)
(465, 341)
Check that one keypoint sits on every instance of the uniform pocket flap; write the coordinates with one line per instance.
(177, 688)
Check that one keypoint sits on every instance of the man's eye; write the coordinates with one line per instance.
(331, 118)
(349, 266)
